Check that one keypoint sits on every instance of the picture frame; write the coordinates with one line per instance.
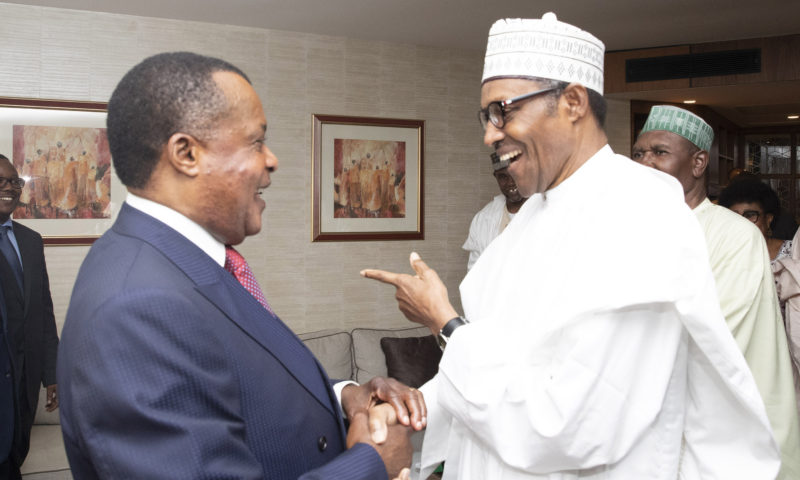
(72, 194)
(367, 178)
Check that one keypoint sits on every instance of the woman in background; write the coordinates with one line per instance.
(757, 202)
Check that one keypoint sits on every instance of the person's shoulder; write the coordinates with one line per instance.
(729, 221)
(730, 235)
(498, 199)
(494, 204)
(642, 189)
(645, 178)
(20, 229)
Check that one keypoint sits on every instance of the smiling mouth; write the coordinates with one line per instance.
(510, 157)
(7, 198)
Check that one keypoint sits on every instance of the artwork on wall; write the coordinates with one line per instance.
(367, 178)
(71, 194)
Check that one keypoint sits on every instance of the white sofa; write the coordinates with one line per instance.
(354, 354)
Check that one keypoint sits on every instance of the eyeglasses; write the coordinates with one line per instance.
(495, 112)
(15, 182)
(751, 215)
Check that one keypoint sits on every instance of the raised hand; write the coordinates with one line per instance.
(422, 298)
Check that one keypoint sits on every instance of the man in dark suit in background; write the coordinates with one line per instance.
(31, 333)
(6, 396)
(172, 367)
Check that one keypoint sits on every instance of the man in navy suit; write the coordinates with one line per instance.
(30, 327)
(172, 367)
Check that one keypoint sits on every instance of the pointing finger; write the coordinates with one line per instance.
(381, 276)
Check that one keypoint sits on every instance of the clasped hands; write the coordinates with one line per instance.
(387, 426)
(382, 413)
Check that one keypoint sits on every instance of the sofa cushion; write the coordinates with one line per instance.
(332, 349)
(368, 358)
(411, 360)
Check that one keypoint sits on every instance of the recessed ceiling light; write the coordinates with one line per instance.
(690, 101)
(793, 117)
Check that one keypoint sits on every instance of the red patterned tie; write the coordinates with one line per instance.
(238, 267)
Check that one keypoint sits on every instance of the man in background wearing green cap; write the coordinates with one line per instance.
(676, 141)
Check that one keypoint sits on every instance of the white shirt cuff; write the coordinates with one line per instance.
(337, 389)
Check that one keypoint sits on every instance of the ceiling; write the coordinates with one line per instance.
(464, 24)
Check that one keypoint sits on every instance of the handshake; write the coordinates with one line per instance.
(383, 413)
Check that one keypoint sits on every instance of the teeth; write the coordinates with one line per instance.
(508, 156)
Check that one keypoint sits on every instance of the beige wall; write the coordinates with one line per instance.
(66, 54)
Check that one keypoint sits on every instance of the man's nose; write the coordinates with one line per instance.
(271, 161)
(492, 135)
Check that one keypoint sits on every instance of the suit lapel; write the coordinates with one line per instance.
(29, 262)
(3, 314)
(269, 331)
(14, 293)
(228, 295)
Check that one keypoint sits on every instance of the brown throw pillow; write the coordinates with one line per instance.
(411, 360)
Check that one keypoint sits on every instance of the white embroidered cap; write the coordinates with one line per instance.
(544, 48)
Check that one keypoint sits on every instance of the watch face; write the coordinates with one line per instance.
(442, 340)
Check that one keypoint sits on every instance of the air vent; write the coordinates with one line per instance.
(708, 64)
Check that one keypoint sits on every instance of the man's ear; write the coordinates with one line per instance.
(699, 163)
(182, 153)
(577, 101)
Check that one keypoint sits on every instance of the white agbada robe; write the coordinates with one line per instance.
(596, 347)
(486, 225)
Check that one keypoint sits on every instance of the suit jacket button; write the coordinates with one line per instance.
(322, 443)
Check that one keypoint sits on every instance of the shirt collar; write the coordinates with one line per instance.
(182, 224)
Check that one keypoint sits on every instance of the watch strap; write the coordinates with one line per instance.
(444, 334)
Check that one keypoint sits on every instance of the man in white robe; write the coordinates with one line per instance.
(495, 216)
(593, 344)
(676, 141)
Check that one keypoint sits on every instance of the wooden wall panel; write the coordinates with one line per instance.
(780, 62)
(615, 70)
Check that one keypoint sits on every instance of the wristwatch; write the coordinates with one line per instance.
(448, 329)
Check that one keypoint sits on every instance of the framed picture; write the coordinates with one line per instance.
(367, 178)
(71, 193)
